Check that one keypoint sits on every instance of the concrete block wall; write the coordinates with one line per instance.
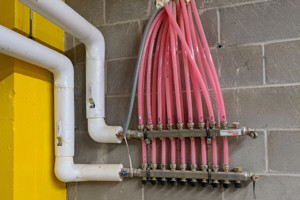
(259, 71)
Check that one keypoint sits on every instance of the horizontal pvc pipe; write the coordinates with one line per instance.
(16, 45)
(65, 17)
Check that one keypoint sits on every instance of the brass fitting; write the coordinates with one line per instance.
(224, 125)
(201, 125)
(190, 126)
(255, 178)
(170, 127)
(235, 124)
(144, 166)
(153, 166)
(150, 127)
(204, 168)
(193, 167)
(160, 127)
(163, 166)
(180, 126)
(226, 168)
(215, 168)
(183, 167)
(140, 127)
(212, 125)
(173, 166)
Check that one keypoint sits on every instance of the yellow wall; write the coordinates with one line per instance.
(26, 114)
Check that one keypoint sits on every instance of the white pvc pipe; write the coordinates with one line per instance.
(18, 46)
(69, 20)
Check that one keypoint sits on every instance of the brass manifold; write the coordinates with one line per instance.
(189, 133)
(237, 175)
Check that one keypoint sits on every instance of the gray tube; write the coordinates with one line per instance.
(137, 69)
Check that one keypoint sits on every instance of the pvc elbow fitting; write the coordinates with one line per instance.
(101, 132)
(67, 171)
(64, 169)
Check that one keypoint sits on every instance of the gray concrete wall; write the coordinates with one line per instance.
(259, 72)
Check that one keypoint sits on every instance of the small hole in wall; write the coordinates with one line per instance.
(219, 45)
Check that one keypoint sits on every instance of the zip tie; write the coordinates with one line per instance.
(254, 195)
(129, 157)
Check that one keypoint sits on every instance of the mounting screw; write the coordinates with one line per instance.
(255, 178)
(253, 134)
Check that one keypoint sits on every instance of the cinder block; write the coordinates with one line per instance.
(245, 152)
(71, 191)
(267, 188)
(117, 153)
(178, 192)
(120, 76)
(121, 40)
(210, 25)
(68, 41)
(128, 189)
(91, 10)
(117, 109)
(119, 10)
(259, 22)
(283, 150)
(88, 151)
(282, 62)
(212, 3)
(80, 115)
(271, 107)
(79, 80)
(239, 66)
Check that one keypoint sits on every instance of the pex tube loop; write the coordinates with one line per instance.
(161, 72)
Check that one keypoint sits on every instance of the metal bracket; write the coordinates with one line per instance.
(209, 176)
(208, 137)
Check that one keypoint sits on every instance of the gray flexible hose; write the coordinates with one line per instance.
(137, 69)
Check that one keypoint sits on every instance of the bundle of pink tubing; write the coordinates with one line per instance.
(163, 77)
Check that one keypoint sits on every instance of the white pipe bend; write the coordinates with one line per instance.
(98, 125)
(18, 46)
(67, 171)
(66, 18)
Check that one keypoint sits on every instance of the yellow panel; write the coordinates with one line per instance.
(6, 129)
(7, 16)
(26, 114)
(43, 31)
(34, 136)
